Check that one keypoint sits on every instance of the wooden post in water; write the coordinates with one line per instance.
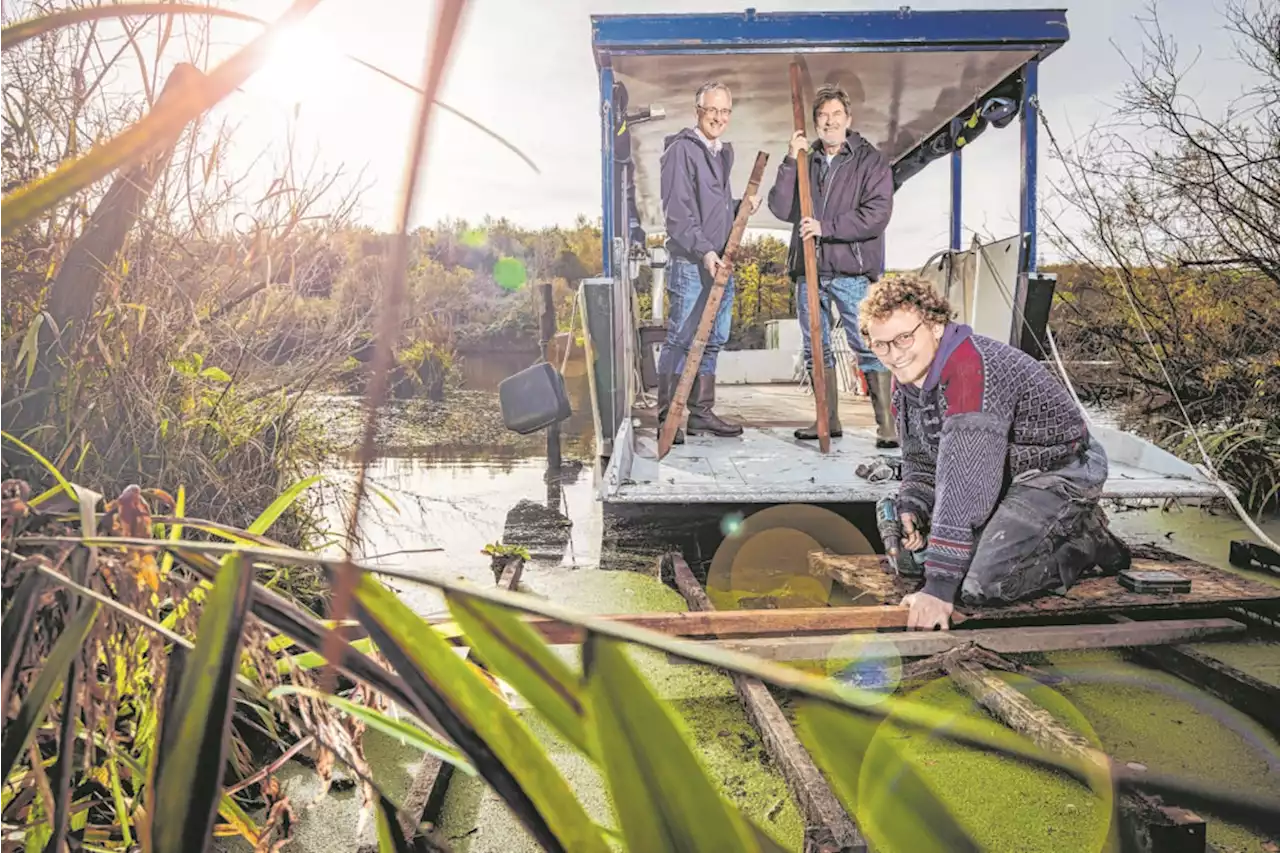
(548, 334)
(819, 372)
(680, 398)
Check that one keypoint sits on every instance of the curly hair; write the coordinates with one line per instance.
(905, 291)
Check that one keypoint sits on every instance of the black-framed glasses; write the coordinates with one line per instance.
(903, 341)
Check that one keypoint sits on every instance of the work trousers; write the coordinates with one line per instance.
(847, 292)
(688, 286)
(1043, 534)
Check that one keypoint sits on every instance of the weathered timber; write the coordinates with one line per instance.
(1209, 587)
(828, 828)
(1242, 691)
(510, 578)
(680, 396)
(1145, 823)
(810, 253)
(726, 624)
(1035, 638)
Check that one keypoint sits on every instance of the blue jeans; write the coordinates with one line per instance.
(688, 286)
(848, 292)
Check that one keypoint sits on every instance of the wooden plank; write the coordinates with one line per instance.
(1147, 825)
(1036, 638)
(1209, 587)
(1242, 691)
(819, 371)
(828, 828)
(680, 397)
(726, 624)
(510, 578)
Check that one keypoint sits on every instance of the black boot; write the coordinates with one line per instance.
(880, 389)
(667, 383)
(832, 383)
(1111, 555)
(701, 419)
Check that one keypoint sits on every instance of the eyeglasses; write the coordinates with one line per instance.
(903, 342)
(717, 112)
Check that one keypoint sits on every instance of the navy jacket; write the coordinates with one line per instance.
(697, 202)
(852, 198)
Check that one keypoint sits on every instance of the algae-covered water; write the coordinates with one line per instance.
(436, 509)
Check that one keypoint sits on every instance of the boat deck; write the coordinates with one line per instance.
(767, 464)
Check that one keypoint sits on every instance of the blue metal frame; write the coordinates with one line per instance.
(809, 31)
(957, 197)
(1030, 160)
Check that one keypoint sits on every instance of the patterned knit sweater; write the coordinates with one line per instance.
(985, 413)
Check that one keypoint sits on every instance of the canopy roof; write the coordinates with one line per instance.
(910, 76)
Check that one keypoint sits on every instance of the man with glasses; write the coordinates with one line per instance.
(852, 187)
(1001, 479)
(699, 208)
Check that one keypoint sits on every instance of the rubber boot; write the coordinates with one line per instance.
(701, 419)
(667, 383)
(1111, 555)
(880, 389)
(832, 381)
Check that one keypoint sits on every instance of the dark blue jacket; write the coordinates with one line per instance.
(697, 202)
(852, 199)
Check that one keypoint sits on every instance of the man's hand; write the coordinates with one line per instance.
(912, 539)
(928, 612)
(798, 143)
(810, 227)
(754, 201)
(713, 263)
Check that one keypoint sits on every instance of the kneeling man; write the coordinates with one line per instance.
(1001, 479)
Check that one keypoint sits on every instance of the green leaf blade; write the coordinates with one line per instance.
(516, 653)
(398, 729)
(500, 746)
(188, 778)
(280, 504)
(663, 796)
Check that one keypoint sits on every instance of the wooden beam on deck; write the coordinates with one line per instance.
(1146, 823)
(783, 622)
(827, 827)
(1037, 638)
(1242, 691)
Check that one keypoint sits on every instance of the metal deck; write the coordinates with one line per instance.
(766, 464)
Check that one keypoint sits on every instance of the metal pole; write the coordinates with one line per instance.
(548, 328)
(1030, 140)
(957, 176)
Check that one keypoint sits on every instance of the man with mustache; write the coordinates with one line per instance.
(852, 187)
(699, 208)
(1001, 479)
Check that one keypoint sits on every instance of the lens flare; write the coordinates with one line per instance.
(509, 273)
(866, 666)
(731, 524)
(473, 238)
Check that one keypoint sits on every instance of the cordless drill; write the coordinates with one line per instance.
(889, 523)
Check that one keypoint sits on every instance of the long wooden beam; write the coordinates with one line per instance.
(828, 828)
(727, 624)
(680, 396)
(812, 302)
(1148, 825)
(1238, 689)
(1038, 638)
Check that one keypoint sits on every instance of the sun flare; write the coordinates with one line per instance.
(303, 64)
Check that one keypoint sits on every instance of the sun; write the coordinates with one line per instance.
(303, 64)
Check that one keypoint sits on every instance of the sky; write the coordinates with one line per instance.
(525, 69)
